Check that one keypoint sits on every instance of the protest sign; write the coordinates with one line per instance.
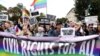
(68, 32)
(44, 21)
(3, 17)
(49, 46)
(91, 20)
(33, 20)
(51, 17)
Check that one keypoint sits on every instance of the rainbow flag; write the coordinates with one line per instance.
(39, 4)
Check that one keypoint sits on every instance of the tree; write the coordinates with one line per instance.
(16, 13)
(80, 7)
(93, 7)
(20, 5)
(40, 17)
(2, 8)
(61, 20)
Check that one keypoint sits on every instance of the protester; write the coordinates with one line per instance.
(67, 23)
(77, 30)
(71, 24)
(31, 29)
(2, 27)
(85, 30)
(9, 27)
(40, 32)
(26, 27)
(55, 31)
(23, 28)
(98, 29)
(47, 28)
(20, 23)
(25, 32)
(91, 29)
(51, 30)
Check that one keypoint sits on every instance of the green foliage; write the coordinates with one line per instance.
(80, 7)
(20, 5)
(2, 8)
(61, 20)
(40, 17)
(93, 7)
(16, 13)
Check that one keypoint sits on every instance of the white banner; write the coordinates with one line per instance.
(91, 19)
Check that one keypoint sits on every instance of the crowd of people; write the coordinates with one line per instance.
(23, 28)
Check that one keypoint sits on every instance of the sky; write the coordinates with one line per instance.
(60, 8)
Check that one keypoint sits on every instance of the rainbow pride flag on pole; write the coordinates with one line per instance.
(39, 4)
